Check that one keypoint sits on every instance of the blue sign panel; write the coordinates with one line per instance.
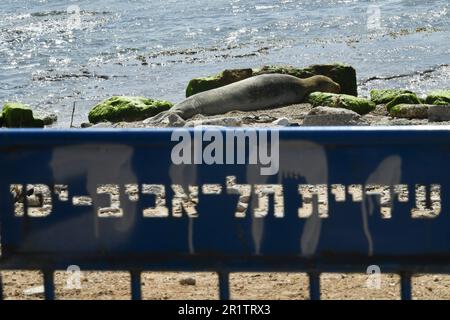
(236, 199)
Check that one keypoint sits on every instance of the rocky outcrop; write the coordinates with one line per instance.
(49, 118)
(385, 96)
(358, 105)
(328, 116)
(405, 98)
(122, 108)
(438, 113)
(439, 97)
(410, 111)
(18, 115)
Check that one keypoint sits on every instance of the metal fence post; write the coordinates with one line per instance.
(314, 285)
(406, 288)
(136, 287)
(49, 285)
(224, 285)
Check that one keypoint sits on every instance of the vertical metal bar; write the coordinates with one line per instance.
(1, 287)
(136, 288)
(49, 285)
(224, 285)
(406, 288)
(314, 285)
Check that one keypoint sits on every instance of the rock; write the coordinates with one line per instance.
(439, 97)
(188, 282)
(50, 119)
(86, 125)
(321, 110)
(405, 98)
(258, 119)
(328, 116)
(18, 115)
(224, 122)
(212, 127)
(47, 117)
(359, 105)
(173, 120)
(439, 113)
(340, 73)
(389, 121)
(386, 96)
(410, 111)
(142, 59)
(129, 109)
(284, 122)
(221, 79)
(400, 122)
(34, 291)
(102, 125)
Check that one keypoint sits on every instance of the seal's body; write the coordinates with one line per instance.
(256, 93)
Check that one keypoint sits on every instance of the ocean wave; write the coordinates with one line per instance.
(419, 81)
(421, 73)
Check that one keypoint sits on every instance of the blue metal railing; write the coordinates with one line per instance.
(392, 211)
(224, 286)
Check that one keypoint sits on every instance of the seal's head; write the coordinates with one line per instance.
(324, 84)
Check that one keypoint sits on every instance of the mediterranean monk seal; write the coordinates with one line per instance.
(256, 93)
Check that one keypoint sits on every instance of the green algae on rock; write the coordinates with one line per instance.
(344, 75)
(439, 97)
(18, 115)
(410, 111)
(383, 96)
(359, 105)
(123, 108)
(405, 98)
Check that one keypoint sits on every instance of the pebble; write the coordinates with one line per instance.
(284, 122)
(34, 291)
(188, 282)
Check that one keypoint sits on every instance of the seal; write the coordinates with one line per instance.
(257, 93)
